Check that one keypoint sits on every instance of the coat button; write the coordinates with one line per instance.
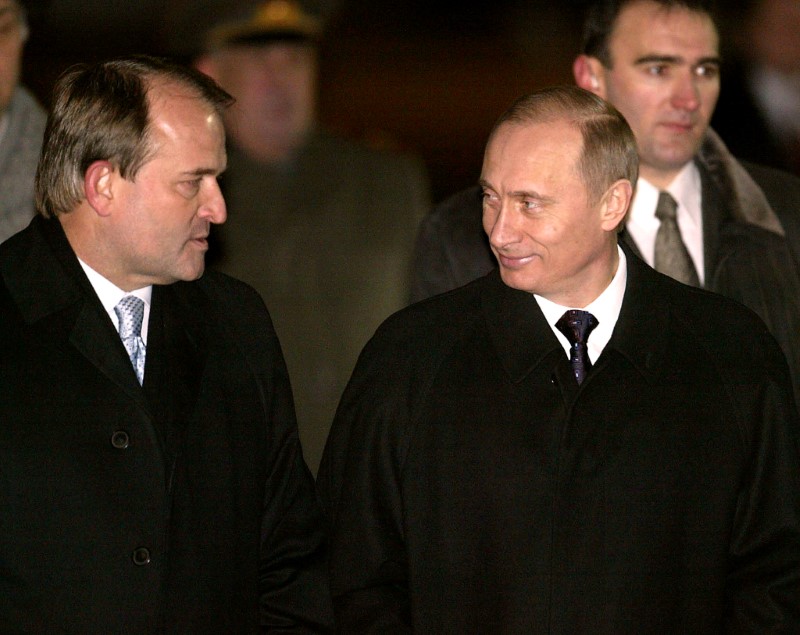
(120, 439)
(553, 379)
(141, 556)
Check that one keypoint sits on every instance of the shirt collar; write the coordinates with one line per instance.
(685, 189)
(110, 295)
(605, 308)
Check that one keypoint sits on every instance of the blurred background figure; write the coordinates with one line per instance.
(321, 226)
(758, 114)
(22, 122)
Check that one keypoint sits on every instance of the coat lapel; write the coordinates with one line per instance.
(524, 340)
(517, 327)
(176, 353)
(50, 288)
(640, 332)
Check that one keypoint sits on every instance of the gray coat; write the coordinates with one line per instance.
(20, 146)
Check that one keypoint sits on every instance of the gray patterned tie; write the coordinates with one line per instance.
(130, 313)
(671, 256)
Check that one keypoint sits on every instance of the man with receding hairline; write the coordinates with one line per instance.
(151, 476)
(731, 227)
(573, 443)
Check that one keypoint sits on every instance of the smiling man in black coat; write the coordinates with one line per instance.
(657, 61)
(151, 481)
(490, 471)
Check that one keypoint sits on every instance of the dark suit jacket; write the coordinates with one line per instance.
(742, 261)
(182, 505)
(474, 487)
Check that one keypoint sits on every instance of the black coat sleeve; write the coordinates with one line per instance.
(293, 584)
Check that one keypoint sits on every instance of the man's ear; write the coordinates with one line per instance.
(589, 74)
(98, 186)
(615, 204)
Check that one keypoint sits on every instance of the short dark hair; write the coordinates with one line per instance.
(601, 16)
(609, 148)
(102, 112)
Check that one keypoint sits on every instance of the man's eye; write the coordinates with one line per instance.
(191, 187)
(707, 70)
(657, 70)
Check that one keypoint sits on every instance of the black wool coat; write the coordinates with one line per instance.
(474, 487)
(179, 506)
(743, 261)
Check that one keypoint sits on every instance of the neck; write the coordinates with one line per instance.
(661, 179)
(601, 277)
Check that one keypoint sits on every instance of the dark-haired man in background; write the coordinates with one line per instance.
(738, 225)
(151, 478)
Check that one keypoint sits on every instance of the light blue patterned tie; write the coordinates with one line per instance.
(130, 313)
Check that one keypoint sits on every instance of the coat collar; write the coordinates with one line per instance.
(41, 272)
(50, 289)
(524, 340)
(736, 189)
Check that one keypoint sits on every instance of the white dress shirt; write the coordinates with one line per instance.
(110, 295)
(605, 308)
(643, 225)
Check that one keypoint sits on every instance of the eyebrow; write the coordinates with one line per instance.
(521, 193)
(202, 172)
(675, 59)
(530, 194)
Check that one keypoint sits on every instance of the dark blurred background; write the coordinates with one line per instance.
(429, 76)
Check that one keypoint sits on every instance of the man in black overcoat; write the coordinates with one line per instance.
(151, 478)
(574, 443)
(658, 62)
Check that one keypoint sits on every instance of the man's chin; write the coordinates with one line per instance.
(517, 280)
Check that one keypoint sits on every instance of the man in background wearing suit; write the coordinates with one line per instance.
(574, 443)
(151, 477)
(657, 61)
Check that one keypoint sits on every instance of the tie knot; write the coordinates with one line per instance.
(130, 313)
(667, 207)
(577, 325)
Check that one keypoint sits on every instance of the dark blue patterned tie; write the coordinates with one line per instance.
(576, 327)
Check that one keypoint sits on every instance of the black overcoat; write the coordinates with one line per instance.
(181, 505)
(474, 487)
(755, 266)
